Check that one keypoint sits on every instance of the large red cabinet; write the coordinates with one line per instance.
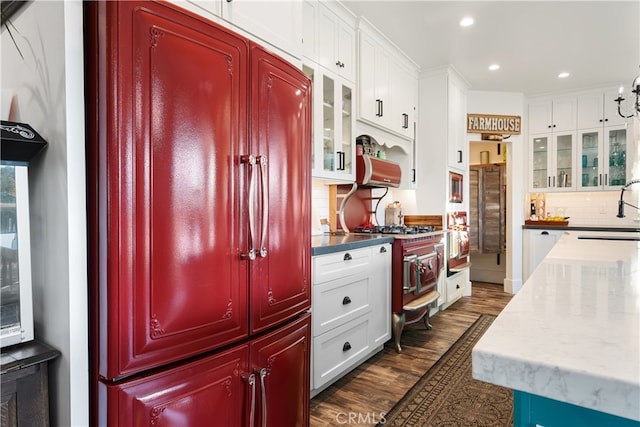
(199, 210)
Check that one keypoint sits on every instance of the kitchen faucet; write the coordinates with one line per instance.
(621, 202)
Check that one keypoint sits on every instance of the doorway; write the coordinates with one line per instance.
(488, 211)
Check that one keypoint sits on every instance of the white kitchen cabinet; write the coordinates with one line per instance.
(458, 152)
(276, 22)
(387, 83)
(381, 295)
(598, 108)
(351, 306)
(333, 153)
(603, 152)
(455, 286)
(337, 40)
(537, 244)
(552, 115)
(442, 139)
(552, 158)
(330, 37)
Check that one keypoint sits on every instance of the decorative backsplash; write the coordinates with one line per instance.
(595, 208)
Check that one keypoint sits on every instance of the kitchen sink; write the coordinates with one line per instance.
(627, 238)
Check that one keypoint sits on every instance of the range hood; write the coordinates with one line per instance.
(377, 172)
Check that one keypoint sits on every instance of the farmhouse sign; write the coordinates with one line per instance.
(493, 124)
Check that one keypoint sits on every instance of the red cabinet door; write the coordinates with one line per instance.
(280, 133)
(280, 361)
(212, 391)
(170, 126)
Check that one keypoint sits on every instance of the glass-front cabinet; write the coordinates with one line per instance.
(552, 162)
(602, 155)
(333, 122)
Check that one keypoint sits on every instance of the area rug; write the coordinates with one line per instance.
(447, 395)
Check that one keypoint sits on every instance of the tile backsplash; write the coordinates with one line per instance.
(595, 208)
(319, 204)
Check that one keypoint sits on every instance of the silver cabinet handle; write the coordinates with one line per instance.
(262, 160)
(251, 161)
(263, 373)
(251, 379)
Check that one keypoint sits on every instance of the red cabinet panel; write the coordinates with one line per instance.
(171, 129)
(284, 357)
(211, 391)
(280, 131)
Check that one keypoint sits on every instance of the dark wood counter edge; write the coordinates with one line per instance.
(22, 355)
(584, 228)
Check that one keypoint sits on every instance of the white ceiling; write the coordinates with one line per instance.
(598, 42)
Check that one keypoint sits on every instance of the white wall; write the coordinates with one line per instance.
(48, 88)
(508, 103)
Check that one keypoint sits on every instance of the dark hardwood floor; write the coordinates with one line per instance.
(376, 385)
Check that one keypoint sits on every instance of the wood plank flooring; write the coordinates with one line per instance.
(358, 398)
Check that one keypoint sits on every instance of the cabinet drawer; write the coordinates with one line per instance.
(341, 264)
(455, 286)
(339, 349)
(338, 301)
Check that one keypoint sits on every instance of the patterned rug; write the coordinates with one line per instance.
(447, 396)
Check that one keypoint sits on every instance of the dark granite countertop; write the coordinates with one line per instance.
(330, 243)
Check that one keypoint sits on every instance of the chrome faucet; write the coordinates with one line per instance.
(621, 202)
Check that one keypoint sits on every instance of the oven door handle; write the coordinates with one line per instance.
(410, 273)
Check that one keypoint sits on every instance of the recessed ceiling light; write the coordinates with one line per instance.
(494, 67)
(466, 21)
(563, 75)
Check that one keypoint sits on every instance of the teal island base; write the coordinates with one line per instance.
(530, 410)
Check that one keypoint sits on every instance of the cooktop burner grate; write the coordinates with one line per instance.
(394, 229)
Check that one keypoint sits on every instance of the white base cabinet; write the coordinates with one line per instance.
(455, 286)
(351, 311)
(537, 244)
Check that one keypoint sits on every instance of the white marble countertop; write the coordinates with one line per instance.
(572, 332)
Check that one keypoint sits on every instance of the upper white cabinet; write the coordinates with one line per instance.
(276, 22)
(333, 154)
(552, 115)
(457, 147)
(337, 40)
(597, 109)
(603, 152)
(591, 154)
(552, 144)
(552, 161)
(387, 83)
(441, 138)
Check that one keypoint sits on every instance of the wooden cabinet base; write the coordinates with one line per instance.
(25, 389)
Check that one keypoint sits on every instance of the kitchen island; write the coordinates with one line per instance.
(568, 342)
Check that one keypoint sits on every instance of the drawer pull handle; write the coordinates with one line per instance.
(457, 286)
(383, 250)
(545, 233)
(347, 257)
(346, 300)
(346, 346)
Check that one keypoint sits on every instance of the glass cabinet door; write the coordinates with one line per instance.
(347, 133)
(540, 158)
(589, 159)
(564, 161)
(333, 122)
(328, 123)
(617, 153)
